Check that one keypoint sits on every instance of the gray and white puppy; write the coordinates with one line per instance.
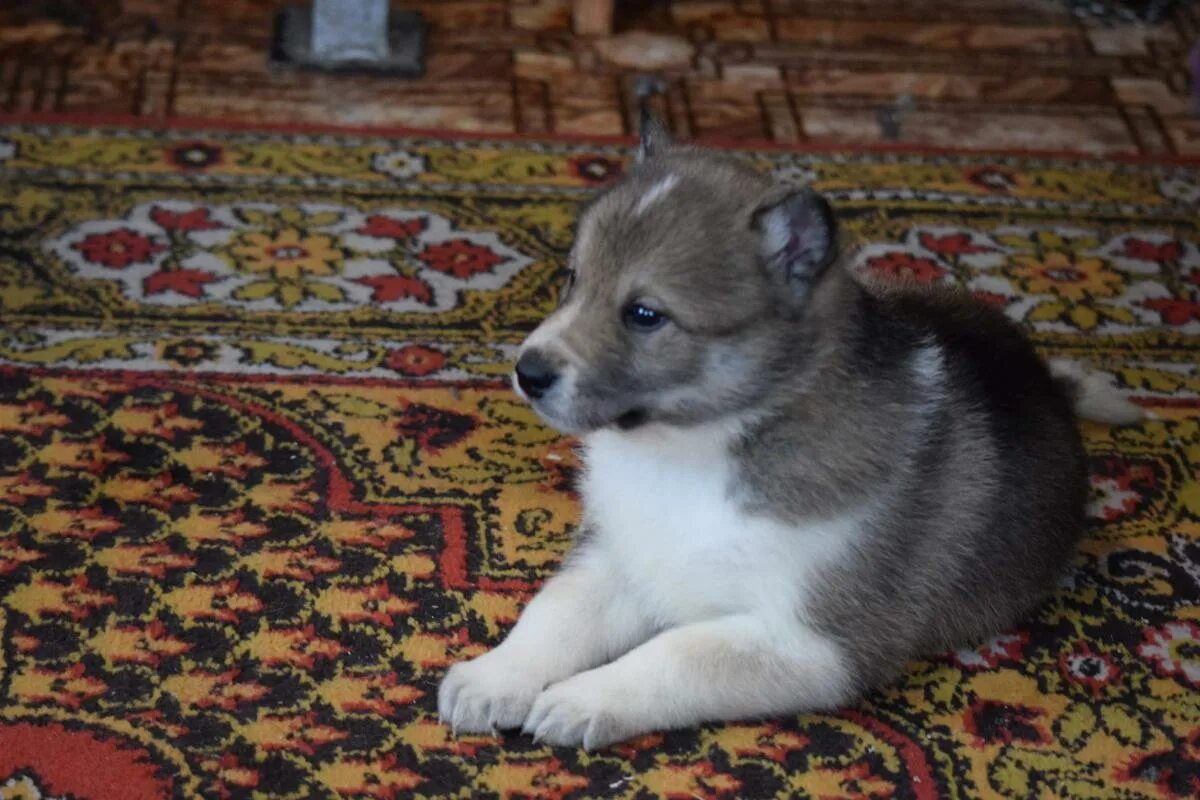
(794, 484)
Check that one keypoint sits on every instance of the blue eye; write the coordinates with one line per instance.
(643, 318)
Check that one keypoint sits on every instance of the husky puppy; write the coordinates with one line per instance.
(794, 484)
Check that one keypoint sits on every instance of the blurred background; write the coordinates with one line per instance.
(1101, 77)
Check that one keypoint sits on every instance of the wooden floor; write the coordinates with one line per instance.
(969, 73)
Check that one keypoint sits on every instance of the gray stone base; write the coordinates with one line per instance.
(291, 46)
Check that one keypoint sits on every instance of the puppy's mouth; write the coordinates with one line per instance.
(577, 422)
(628, 421)
(633, 418)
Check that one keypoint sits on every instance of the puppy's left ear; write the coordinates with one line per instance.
(797, 238)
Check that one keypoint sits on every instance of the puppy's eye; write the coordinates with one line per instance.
(643, 318)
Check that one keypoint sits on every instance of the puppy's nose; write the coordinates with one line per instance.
(535, 374)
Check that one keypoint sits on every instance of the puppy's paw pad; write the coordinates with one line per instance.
(486, 695)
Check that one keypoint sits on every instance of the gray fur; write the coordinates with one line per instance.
(928, 413)
(976, 485)
(654, 138)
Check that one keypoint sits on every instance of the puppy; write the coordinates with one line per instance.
(794, 484)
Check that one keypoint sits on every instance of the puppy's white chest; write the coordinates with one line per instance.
(665, 516)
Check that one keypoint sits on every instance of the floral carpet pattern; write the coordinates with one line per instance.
(262, 479)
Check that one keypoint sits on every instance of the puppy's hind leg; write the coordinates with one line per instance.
(733, 667)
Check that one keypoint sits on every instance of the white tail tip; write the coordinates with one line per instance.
(1094, 395)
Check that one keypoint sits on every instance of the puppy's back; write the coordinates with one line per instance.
(987, 503)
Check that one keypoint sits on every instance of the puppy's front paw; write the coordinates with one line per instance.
(487, 694)
(582, 710)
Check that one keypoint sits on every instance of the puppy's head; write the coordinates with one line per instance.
(681, 279)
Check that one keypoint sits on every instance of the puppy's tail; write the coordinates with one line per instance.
(1094, 396)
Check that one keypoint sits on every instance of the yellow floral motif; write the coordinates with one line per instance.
(518, 164)
(1083, 315)
(287, 254)
(1065, 275)
(1044, 240)
(21, 788)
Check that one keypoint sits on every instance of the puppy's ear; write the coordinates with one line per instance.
(797, 238)
(655, 138)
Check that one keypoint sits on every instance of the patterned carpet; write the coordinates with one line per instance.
(261, 479)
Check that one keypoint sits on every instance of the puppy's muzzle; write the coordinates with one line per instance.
(535, 374)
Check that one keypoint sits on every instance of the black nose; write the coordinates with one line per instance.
(535, 374)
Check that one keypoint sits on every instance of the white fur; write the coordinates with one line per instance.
(655, 194)
(777, 232)
(552, 333)
(661, 503)
(671, 552)
(930, 365)
(1095, 396)
(577, 621)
